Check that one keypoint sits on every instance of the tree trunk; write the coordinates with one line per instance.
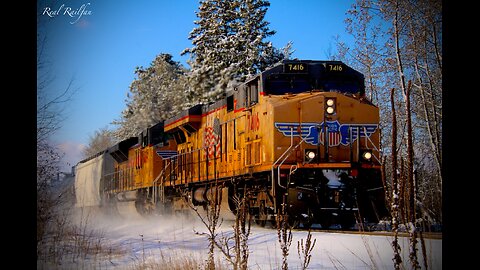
(411, 184)
(397, 259)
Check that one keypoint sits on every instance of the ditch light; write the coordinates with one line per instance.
(310, 155)
(367, 155)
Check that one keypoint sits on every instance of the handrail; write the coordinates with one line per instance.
(155, 184)
(177, 156)
(284, 159)
(273, 165)
(278, 167)
(374, 147)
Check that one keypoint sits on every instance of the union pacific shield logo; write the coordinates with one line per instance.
(314, 133)
(333, 130)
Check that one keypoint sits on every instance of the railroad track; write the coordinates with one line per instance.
(426, 235)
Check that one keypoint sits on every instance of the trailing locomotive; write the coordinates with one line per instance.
(301, 134)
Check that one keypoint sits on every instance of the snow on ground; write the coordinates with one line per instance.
(146, 241)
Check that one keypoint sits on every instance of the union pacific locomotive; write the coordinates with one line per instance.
(301, 135)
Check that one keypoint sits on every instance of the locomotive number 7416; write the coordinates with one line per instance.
(335, 68)
(295, 67)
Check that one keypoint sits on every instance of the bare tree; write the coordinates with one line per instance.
(412, 187)
(51, 102)
(414, 22)
(396, 42)
(395, 204)
(99, 141)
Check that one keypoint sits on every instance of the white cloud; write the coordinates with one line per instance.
(72, 154)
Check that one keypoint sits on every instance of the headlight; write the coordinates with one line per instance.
(311, 155)
(330, 106)
(367, 155)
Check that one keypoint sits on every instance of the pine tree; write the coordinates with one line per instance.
(229, 43)
(258, 54)
(155, 95)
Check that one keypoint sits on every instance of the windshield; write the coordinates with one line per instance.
(312, 75)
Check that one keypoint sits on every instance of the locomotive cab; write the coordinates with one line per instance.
(326, 160)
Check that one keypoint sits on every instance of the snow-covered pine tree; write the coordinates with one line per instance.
(252, 32)
(229, 42)
(155, 95)
(211, 41)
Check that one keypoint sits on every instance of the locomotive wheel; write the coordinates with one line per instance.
(307, 223)
(347, 221)
(145, 208)
(307, 220)
(273, 224)
(260, 222)
(262, 215)
(164, 208)
(293, 223)
(326, 223)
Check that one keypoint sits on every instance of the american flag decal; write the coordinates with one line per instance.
(211, 139)
(333, 138)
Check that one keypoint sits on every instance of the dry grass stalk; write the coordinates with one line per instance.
(284, 231)
(211, 221)
(305, 250)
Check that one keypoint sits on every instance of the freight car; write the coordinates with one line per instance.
(301, 134)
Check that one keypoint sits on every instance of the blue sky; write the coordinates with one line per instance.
(101, 48)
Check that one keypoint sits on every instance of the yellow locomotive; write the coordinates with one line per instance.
(300, 134)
